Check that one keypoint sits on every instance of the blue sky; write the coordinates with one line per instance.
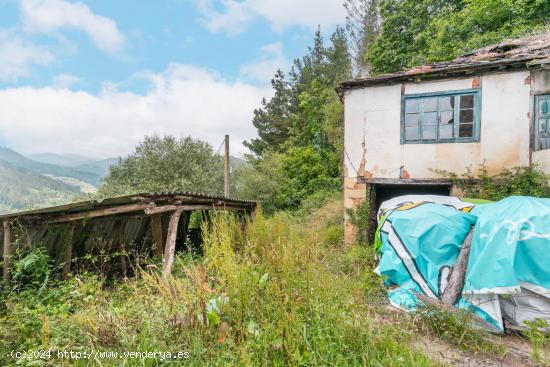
(94, 77)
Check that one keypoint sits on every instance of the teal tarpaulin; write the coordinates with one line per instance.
(508, 272)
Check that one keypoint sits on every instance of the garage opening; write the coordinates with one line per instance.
(380, 190)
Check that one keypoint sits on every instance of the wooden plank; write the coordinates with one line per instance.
(170, 247)
(156, 234)
(121, 209)
(7, 250)
(68, 252)
(172, 208)
(122, 247)
(226, 168)
(456, 279)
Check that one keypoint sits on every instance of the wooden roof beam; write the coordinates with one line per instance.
(121, 209)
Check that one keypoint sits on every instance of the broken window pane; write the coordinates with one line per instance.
(429, 118)
(466, 116)
(412, 105)
(466, 130)
(447, 118)
(428, 132)
(467, 101)
(411, 119)
(429, 104)
(446, 131)
(447, 103)
(411, 132)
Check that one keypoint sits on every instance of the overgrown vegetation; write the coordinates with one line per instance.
(520, 181)
(278, 293)
(457, 327)
(416, 32)
(538, 333)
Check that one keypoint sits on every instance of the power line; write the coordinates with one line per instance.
(217, 151)
(350, 162)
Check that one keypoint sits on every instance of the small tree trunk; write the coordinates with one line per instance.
(456, 279)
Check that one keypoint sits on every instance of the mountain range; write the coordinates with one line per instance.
(47, 179)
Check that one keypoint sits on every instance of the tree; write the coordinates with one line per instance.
(363, 26)
(166, 164)
(273, 119)
(414, 32)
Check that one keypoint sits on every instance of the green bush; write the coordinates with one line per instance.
(520, 181)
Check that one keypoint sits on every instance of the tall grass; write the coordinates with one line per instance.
(278, 291)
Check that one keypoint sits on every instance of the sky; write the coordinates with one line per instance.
(94, 77)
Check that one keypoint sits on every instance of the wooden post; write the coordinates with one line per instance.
(156, 234)
(7, 250)
(170, 247)
(456, 279)
(68, 252)
(122, 248)
(226, 167)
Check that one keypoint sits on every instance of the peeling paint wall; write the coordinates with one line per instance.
(373, 115)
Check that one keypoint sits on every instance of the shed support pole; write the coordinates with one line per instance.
(122, 249)
(7, 250)
(170, 248)
(68, 254)
(156, 234)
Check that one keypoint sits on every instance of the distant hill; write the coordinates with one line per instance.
(18, 160)
(47, 179)
(80, 163)
(23, 189)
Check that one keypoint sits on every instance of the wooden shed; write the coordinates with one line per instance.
(154, 223)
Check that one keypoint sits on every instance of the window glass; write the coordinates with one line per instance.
(447, 117)
(542, 122)
(467, 101)
(429, 104)
(447, 103)
(412, 105)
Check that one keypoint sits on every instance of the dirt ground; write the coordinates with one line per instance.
(518, 353)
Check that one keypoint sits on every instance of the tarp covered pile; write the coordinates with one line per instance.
(508, 271)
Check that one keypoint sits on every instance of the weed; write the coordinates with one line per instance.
(458, 327)
(538, 333)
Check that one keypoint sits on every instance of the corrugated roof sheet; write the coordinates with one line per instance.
(512, 54)
(186, 197)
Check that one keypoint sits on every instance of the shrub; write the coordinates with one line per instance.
(524, 181)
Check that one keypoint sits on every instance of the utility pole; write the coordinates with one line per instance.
(226, 167)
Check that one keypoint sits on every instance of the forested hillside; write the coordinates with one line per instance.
(27, 183)
(23, 189)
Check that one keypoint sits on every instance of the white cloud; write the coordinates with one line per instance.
(18, 55)
(271, 58)
(182, 100)
(235, 15)
(45, 16)
(232, 20)
(64, 81)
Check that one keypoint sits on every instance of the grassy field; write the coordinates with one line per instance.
(282, 291)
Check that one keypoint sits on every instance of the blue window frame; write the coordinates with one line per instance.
(542, 121)
(442, 117)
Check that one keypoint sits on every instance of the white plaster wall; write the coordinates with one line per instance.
(376, 112)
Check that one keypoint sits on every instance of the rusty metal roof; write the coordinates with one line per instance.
(510, 55)
(186, 197)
